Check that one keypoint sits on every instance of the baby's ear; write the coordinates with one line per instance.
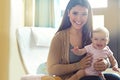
(92, 39)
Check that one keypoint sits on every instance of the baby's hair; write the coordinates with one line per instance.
(102, 30)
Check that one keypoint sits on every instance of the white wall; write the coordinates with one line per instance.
(16, 18)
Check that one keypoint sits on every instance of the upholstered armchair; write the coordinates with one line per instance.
(33, 47)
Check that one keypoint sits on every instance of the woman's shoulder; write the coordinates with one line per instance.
(62, 32)
(61, 35)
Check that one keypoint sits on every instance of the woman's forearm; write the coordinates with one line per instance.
(61, 69)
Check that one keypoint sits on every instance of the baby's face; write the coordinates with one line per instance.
(99, 40)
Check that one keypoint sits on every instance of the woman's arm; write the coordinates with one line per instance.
(54, 64)
(79, 74)
(55, 68)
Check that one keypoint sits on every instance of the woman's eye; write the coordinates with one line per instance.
(81, 14)
(84, 14)
(75, 13)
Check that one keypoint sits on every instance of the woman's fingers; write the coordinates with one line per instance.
(100, 65)
(86, 61)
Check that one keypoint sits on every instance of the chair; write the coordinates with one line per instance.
(33, 47)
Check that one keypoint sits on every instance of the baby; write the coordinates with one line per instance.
(100, 50)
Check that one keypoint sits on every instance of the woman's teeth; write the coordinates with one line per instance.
(78, 23)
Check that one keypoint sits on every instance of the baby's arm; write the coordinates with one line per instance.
(114, 63)
(78, 51)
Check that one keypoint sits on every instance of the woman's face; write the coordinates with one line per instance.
(78, 16)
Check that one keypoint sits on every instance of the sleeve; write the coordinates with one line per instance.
(54, 53)
(87, 48)
(109, 51)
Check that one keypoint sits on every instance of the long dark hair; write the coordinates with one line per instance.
(87, 28)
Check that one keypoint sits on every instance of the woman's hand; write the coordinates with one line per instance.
(101, 65)
(86, 61)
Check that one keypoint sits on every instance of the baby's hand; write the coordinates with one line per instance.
(75, 50)
(116, 69)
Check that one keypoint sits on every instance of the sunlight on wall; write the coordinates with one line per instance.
(98, 21)
(98, 3)
(15, 70)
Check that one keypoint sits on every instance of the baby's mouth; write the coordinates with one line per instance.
(99, 45)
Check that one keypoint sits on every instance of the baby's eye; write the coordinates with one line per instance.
(103, 39)
(95, 39)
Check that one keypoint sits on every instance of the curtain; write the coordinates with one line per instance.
(44, 13)
(57, 12)
(28, 13)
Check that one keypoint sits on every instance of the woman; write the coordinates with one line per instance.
(75, 30)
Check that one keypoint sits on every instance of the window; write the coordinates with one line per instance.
(98, 3)
(98, 21)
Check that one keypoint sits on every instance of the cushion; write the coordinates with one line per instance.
(32, 52)
(42, 69)
(43, 36)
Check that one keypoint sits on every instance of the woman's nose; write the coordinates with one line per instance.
(79, 16)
